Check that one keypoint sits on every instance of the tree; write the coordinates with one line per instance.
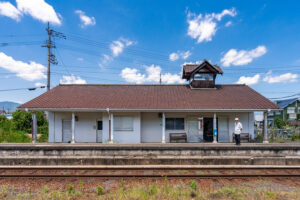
(22, 120)
(279, 123)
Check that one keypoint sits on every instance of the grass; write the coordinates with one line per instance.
(152, 191)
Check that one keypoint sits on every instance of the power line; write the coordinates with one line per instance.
(290, 96)
(14, 89)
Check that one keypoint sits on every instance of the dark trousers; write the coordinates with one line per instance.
(237, 139)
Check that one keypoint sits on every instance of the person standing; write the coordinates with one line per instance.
(238, 127)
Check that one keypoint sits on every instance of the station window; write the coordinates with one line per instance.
(174, 123)
(203, 77)
(123, 123)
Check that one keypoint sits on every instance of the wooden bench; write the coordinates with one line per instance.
(177, 137)
(245, 137)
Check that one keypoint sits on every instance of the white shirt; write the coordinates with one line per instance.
(238, 128)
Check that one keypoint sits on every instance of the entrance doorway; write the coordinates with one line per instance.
(208, 129)
(66, 131)
(193, 131)
(99, 130)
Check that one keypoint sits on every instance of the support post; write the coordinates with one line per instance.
(111, 128)
(265, 127)
(215, 131)
(73, 128)
(34, 128)
(163, 125)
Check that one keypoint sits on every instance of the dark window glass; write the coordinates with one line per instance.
(169, 123)
(174, 123)
(99, 125)
(179, 124)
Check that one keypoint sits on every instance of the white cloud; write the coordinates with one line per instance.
(80, 59)
(72, 80)
(203, 28)
(283, 78)
(242, 57)
(248, 80)
(152, 75)
(85, 20)
(180, 54)
(229, 23)
(38, 84)
(29, 71)
(132, 75)
(39, 10)
(118, 46)
(9, 10)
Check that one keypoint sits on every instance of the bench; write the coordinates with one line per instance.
(245, 137)
(177, 137)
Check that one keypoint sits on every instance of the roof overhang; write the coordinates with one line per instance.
(144, 110)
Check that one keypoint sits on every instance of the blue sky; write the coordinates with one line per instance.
(255, 42)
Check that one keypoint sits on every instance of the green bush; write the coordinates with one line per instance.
(18, 128)
(100, 190)
(279, 123)
(70, 189)
(193, 185)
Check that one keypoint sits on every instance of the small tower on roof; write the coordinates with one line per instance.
(201, 75)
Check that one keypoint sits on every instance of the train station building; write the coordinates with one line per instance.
(199, 111)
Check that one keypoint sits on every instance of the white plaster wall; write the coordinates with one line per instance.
(129, 136)
(85, 127)
(147, 126)
(151, 129)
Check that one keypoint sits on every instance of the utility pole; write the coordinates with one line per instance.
(160, 79)
(50, 45)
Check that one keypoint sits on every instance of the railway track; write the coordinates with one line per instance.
(150, 171)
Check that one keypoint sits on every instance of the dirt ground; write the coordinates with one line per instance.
(140, 188)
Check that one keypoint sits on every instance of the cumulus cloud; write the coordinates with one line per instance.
(242, 57)
(118, 46)
(203, 28)
(38, 84)
(180, 54)
(152, 75)
(9, 10)
(249, 80)
(39, 10)
(28, 71)
(283, 78)
(85, 20)
(72, 80)
(229, 23)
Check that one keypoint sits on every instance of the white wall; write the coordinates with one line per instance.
(151, 130)
(129, 136)
(85, 127)
(146, 126)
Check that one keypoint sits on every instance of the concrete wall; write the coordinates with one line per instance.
(146, 126)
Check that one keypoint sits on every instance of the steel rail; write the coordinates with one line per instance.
(150, 176)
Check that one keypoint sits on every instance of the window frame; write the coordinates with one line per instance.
(175, 126)
(120, 128)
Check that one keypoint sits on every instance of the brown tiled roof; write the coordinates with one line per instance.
(188, 68)
(149, 97)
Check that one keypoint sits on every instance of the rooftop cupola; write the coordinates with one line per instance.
(201, 75)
